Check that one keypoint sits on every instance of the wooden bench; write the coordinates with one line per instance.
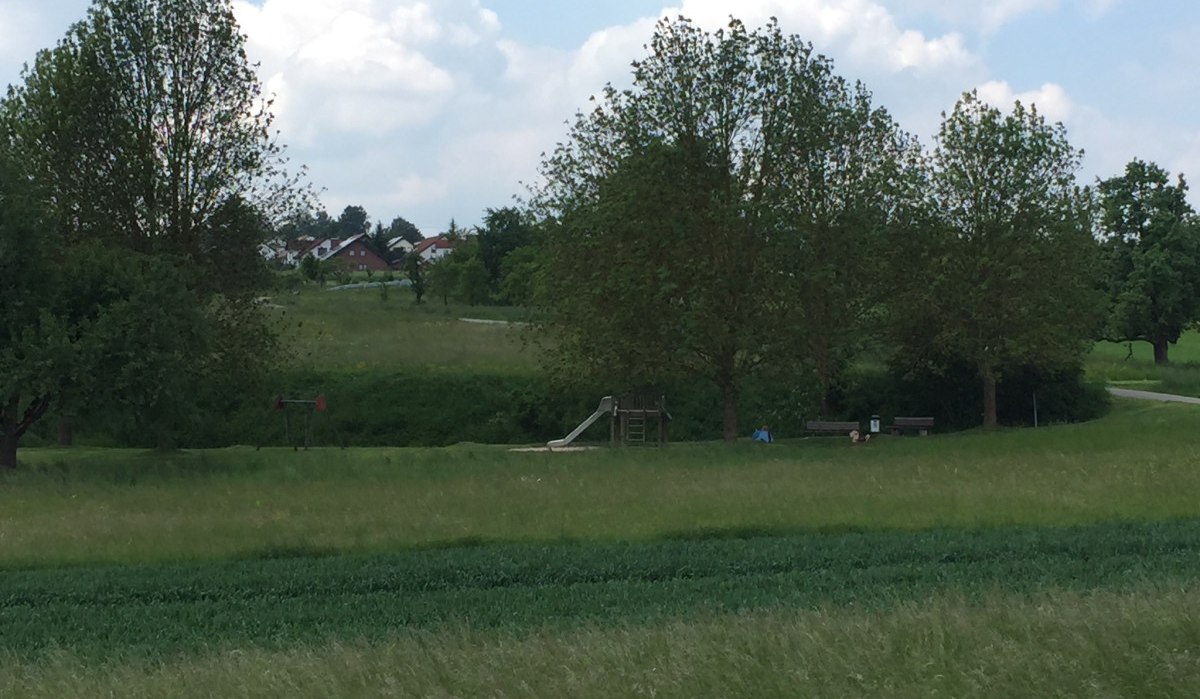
(921, 424)
(830, 427)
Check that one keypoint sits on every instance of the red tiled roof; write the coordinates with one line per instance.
(439, 242)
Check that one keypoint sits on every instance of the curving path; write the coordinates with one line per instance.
(1150, 395)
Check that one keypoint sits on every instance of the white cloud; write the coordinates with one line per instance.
(413, 190)
(1109, 143)
(863, 30)
(986, 16)
(1051, 100)
(428, 109)
(386, 100)
(346, 66)
(426, 104)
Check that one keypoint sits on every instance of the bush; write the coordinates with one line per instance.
(955, 396)
(436, 407)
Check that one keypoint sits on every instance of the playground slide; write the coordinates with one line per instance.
(605, 408)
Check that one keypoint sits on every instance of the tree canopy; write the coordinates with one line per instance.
(679, 209)
(144, 140)
(1009, 271)
(402, 228)
(1152, 243)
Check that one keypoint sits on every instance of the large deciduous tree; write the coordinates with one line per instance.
(30, 335)
(689, 216)
(1010, 276)
(504, 230)
(1152, 243)
(145, 139)
(145, 121)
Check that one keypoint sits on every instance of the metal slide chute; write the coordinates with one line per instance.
(605, 408)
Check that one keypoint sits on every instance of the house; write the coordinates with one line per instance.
(399, 247)
(434, 248)
(278, 252)
(295, 249)
(271, 251)
(351, 252)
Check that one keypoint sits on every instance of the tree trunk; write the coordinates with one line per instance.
(8, 435)
(729, 399)
(13, 425)
(988, 374)
(1160, 350)
(826, 402)
(8, 449)
(66, 433)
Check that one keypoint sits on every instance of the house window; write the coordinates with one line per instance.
(362, 268)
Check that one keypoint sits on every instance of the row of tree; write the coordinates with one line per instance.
(742, 209)
(493, 263)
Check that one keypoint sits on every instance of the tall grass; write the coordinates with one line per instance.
(1141, 642)
(69, 507)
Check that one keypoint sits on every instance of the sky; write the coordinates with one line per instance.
(441, 109)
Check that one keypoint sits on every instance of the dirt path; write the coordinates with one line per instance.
(1150, 395)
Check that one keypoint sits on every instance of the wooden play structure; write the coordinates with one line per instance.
(638, 417)
(633, 419)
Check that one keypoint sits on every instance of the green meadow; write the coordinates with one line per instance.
(1131, 365)
(1060, 561)
(78, 507)
(364, 329)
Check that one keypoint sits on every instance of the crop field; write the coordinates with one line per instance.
(1063, 560)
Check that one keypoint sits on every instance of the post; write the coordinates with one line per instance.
(1035, 415)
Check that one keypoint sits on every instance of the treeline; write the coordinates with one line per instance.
(138, 177)
(494, 263)
(743, 212)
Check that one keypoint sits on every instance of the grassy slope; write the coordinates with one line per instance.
(125, 507)
(357, 329)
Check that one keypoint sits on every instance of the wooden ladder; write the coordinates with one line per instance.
(635, 429)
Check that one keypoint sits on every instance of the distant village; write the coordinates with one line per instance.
(353, 253)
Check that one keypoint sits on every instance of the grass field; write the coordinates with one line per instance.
(1115, 363)
(1061, 561)
(76, 507)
